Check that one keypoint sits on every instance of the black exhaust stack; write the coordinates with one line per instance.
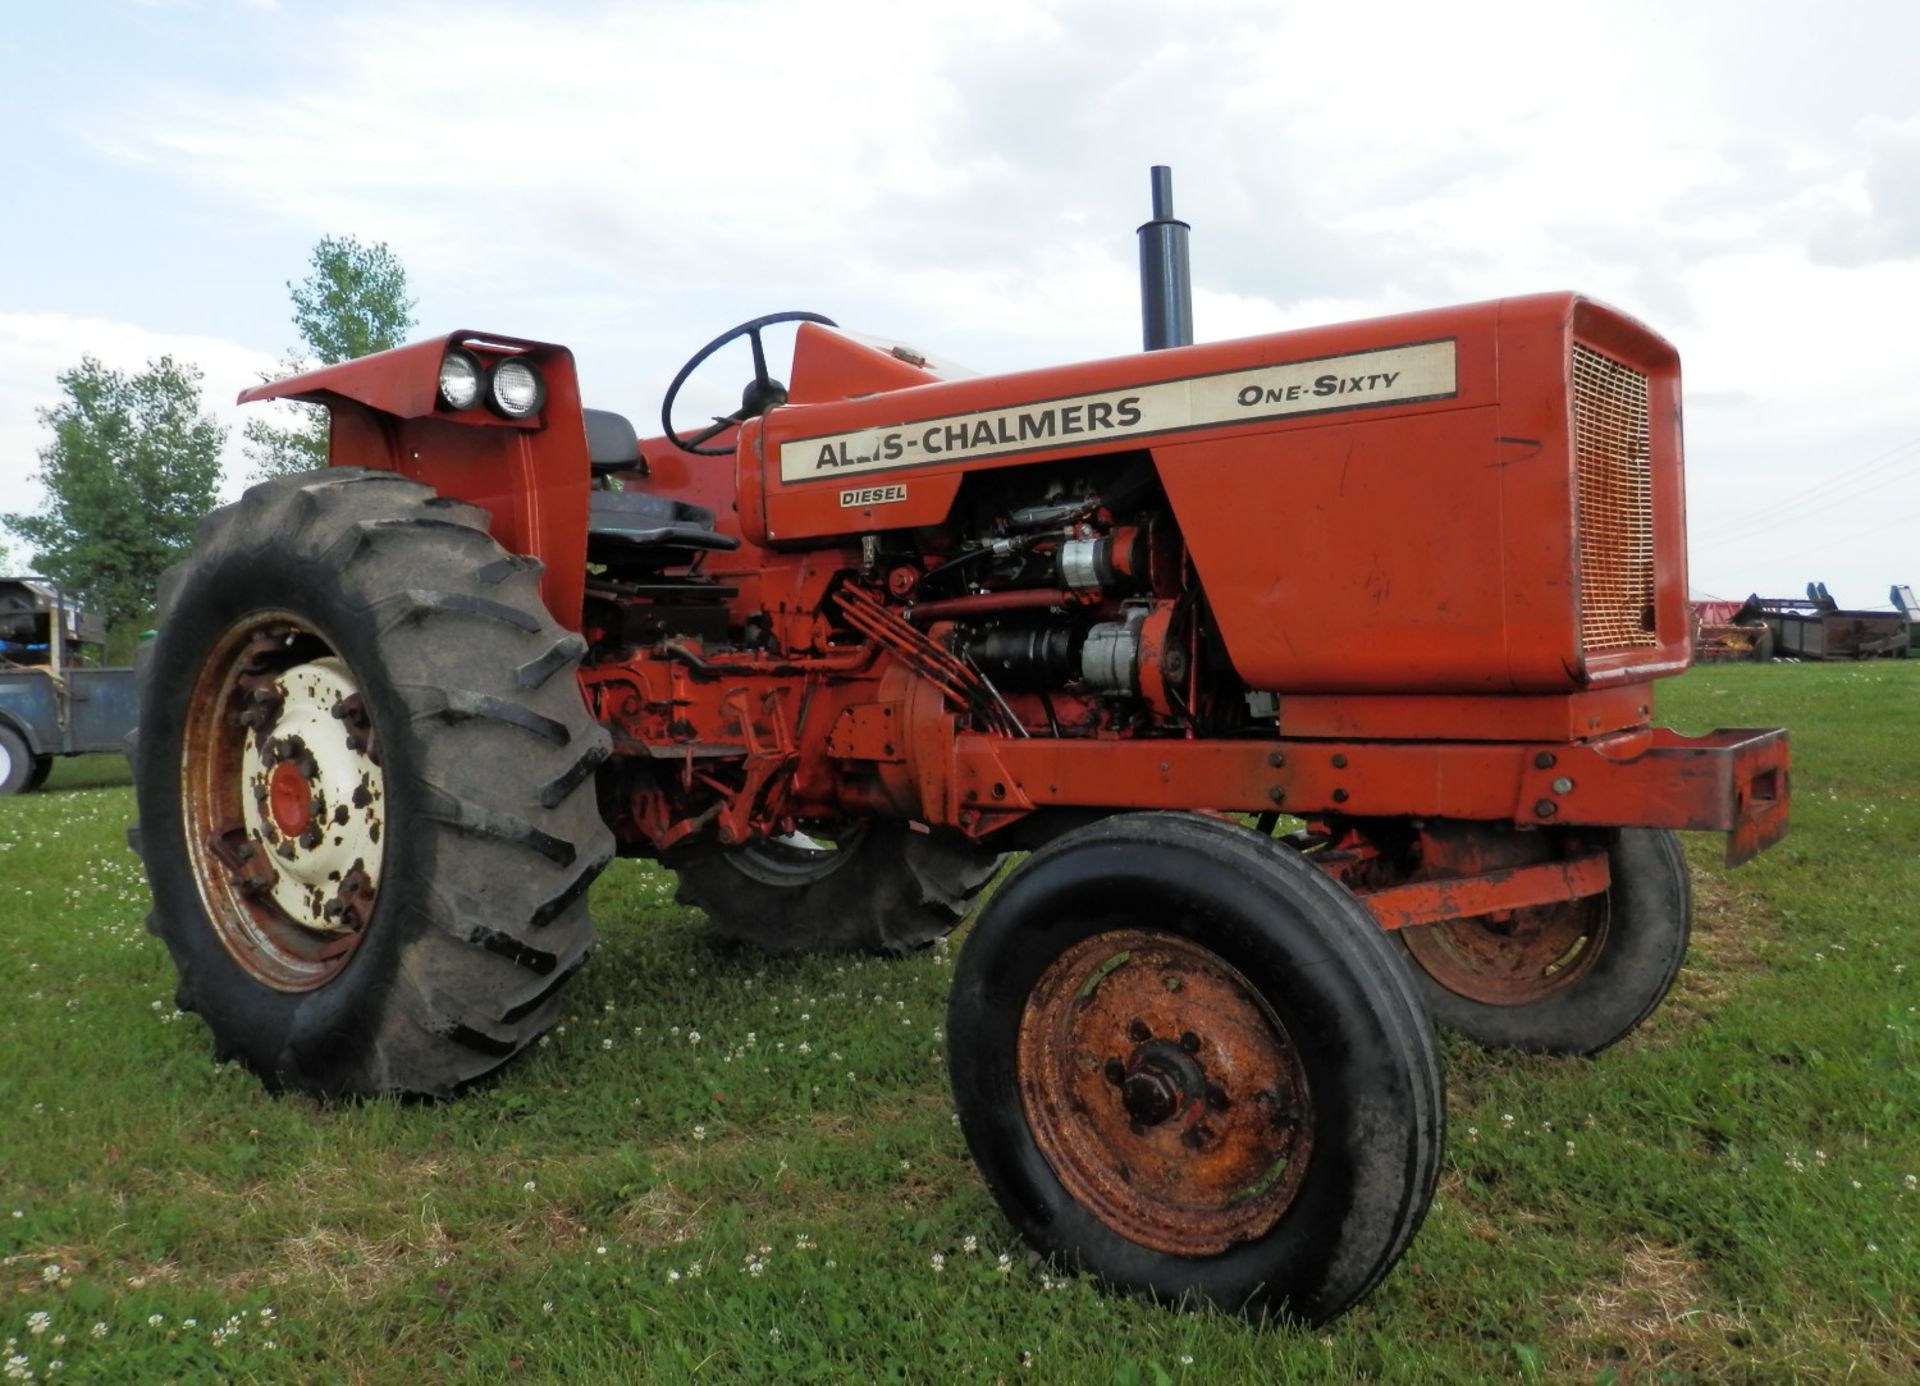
(1166, 279)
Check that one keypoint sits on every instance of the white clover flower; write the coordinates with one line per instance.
(599, 1251)
(155, 1320)
(530, 1186)
(774, 1334)
(38, 1322)
(546, 1306)
(606, 1044)
(699, 1133)
(99, 1330)
(50, 1273)
(970, 1244)
(672, 1276)
(939, 1263)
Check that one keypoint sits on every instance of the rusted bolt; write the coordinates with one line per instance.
(1339, 762)
(1149, 1097)
(1339, 796)
(1544, 761)
(1116, 1072)
(1546, 808)
(1563, 785)
(1190, 1042)
(1277, 759)
(1138, 1032)
(1277, 794)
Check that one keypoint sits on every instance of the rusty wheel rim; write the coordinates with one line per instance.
(284, 802)
(1528, 955)
(1164, 1092)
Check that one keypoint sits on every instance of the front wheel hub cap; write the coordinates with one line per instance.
(1165, 1092)
(312, 799)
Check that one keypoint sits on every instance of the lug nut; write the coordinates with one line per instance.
(1138, 1032)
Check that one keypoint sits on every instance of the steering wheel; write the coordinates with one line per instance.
(762, 393)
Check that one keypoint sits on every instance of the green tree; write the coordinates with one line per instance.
(132, 467)
(352, 303)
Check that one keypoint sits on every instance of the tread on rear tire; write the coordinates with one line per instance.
(486, 757)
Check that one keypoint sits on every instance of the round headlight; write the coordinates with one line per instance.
(459, 379)
(515, 389)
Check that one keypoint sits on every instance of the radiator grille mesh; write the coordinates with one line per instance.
(1613, 462)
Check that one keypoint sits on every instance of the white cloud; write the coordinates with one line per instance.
(36, 347)
(629, 179)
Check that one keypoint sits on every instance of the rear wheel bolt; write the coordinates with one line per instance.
(1116, 1072)
(1138, 1032)
(1190, 1042)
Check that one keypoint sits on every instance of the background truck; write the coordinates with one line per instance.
(51, 704)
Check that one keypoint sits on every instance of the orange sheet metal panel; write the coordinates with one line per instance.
(1533, 541)
(531, 475)
(809, 470)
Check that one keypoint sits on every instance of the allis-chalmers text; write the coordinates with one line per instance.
(1392, 375)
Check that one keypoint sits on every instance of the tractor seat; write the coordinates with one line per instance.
(633, 525)
(633, 528)
(612, 445)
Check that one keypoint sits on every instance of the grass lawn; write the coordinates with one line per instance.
(729, 1168)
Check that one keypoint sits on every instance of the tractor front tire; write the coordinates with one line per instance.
(364, 773)
(1188, 1062)
(879, 887)
(1520, 986)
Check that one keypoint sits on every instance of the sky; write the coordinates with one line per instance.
(631, 178)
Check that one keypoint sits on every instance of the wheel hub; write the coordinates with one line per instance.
(285, 802)
(291, 796)
(1164, 1092)
(311, 798)
(1159, 1080)
(1515, 959)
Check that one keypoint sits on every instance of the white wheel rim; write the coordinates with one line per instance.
(313, 801)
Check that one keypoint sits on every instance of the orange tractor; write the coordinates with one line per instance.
(1314, 670)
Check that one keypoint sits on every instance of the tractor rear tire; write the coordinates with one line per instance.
(16, 763)
(410, 708)
(1188, 1062)
(884, 888)
(1638, 940)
